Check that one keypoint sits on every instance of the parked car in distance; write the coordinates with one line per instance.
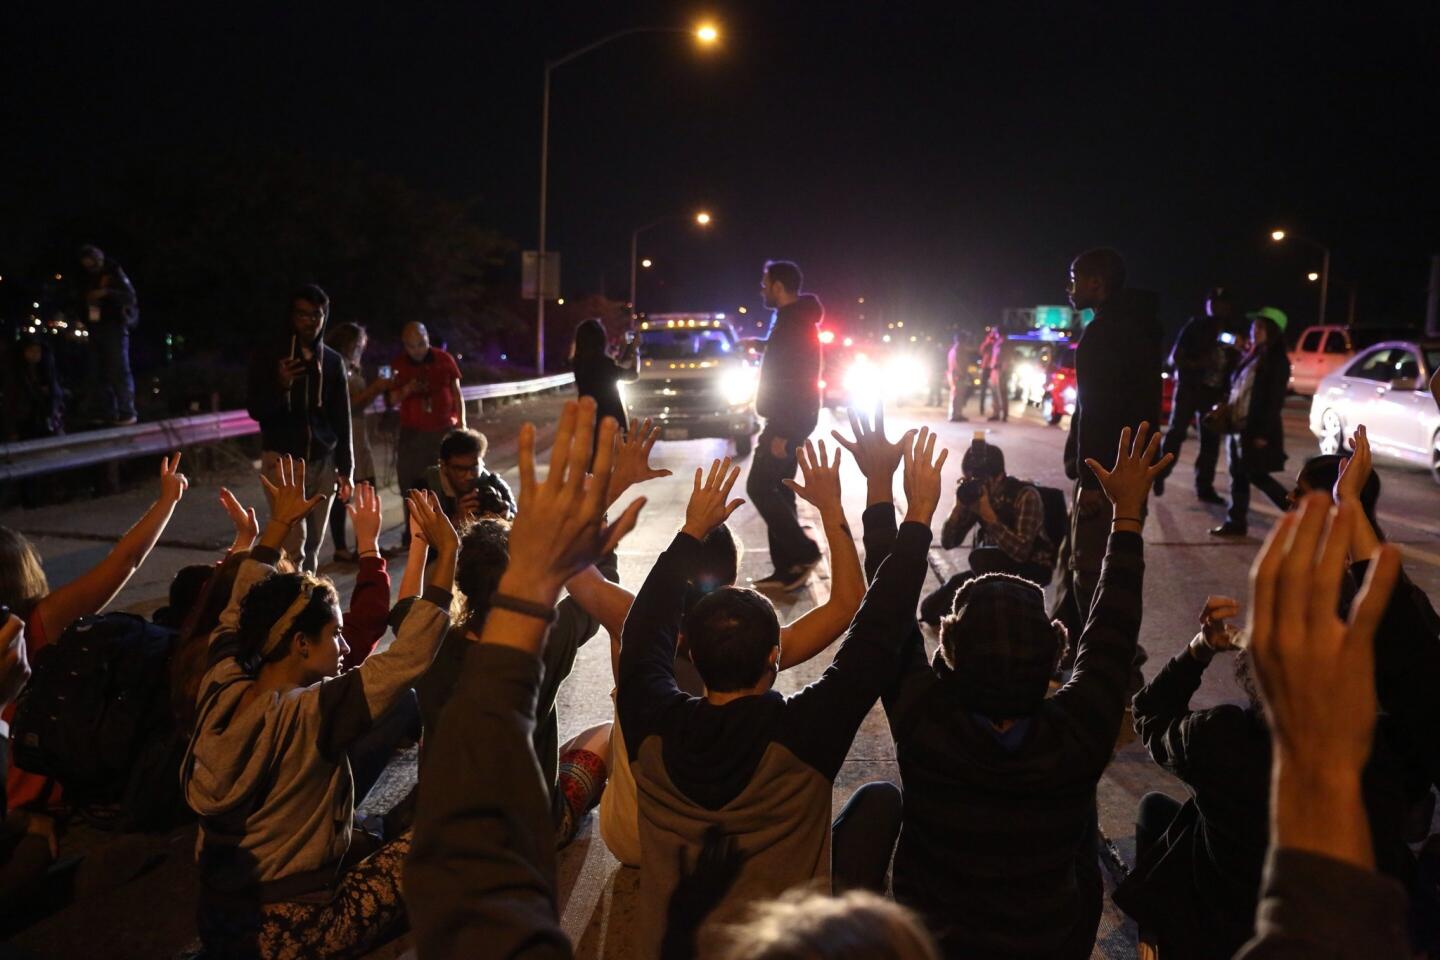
(1322, 350)
(1386, 388)
(1059, 397)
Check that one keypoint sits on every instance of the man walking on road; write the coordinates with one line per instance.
(995, 362)
(299, 395)
(789, 401)
(1199, 362)
(427, 386)
(111, 313)
(1117, 374)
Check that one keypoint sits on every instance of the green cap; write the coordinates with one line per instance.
(1271, 313)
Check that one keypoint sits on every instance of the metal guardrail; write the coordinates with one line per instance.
(30, 458)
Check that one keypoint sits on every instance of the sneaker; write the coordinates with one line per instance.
(390, 553)
(1210, 496)
(129, 421)
(345, 555)
(960, 418)
(1228, 529)
(784, 581)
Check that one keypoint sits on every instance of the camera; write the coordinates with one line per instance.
(969, 490)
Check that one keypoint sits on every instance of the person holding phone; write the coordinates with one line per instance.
(1198, 360)
(598, 374)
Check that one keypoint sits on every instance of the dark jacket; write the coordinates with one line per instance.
(312, 418)
(789, 392)
(1267, 403)
(117, 304)
(998, 848)
(1199, 357)
(1199, 885)
(600, 377)
(1117, 383)
(34, 403)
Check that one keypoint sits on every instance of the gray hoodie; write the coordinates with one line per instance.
(270, 778)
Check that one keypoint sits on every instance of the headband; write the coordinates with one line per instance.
(287, 620)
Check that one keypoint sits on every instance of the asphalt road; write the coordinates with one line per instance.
(1183, 565)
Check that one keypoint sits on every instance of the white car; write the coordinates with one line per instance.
(1386, 388)
(1323, 350)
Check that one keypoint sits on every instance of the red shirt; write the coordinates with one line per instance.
(435, 408)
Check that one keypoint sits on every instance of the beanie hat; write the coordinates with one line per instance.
(1000, 646)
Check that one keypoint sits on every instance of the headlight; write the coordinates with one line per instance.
(905, 374)
(1031, 379)
(738, 385)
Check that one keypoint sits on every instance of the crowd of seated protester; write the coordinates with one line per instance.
(285, 701)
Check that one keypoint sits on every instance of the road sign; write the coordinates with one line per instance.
(528, 260)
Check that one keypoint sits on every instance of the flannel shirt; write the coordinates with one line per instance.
(1022, 538)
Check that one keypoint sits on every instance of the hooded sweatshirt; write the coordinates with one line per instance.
(789, 392)
(756, 772)
(269, 777)
(312, 418)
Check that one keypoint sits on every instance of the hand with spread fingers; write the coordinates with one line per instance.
(1128, 483)
(922, 476)
(247, 525)
(710, 504)
(821, 479)
(1317, 676)
(560, 526)
(365, 510)
(877, 457)
(288, 503)
(632, 460)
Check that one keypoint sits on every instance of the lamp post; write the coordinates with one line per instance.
(1279, 236)
(705, 34)
(1350, 287)
(702, 219)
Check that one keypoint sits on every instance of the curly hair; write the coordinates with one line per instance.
(804, 925)
(484, 555)
(266, 604)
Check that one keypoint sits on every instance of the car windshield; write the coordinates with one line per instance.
(688, 344)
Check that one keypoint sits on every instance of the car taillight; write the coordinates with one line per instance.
(821, 384)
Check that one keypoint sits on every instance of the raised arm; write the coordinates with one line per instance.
(607, 602)
(877, 459)
(480, 879)
(822, 626)
(91, 591)
(365, 621)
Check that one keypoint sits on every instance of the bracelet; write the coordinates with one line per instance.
(369, 553)
(526, 608)
(1127, 520)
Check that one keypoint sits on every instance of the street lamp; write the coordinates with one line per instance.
(702, 219)
(1312, 276)
(1280, 236)
(705, 34)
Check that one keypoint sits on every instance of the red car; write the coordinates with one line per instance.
(1060, 388)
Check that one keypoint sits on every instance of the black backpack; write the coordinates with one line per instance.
(95, 717)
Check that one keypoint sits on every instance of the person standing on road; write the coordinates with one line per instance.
(1117, 385)
(1256, 442)
(985, 355)
(599, 375)
(427, 386)
(1199, 361)
(111, 313)
(957, 371)
(350, 340)
(298, 394)
(788, 399)
(999, 375)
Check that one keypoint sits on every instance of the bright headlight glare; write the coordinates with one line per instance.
(737, 386)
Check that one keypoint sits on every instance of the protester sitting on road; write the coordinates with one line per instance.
(267, 770)
(297, 393)
(1321, 895)
(27, 838)
(26, 591)
(999, 850)
(745, 763)
(466, 489)
(809, 926)
(1256, 441)
(718, 566)
(1011, 515)
(349, 340)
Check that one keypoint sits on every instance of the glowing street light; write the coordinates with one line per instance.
(1277, 235)
(1312, 276)
(1281, 235)
(743, 310)
(702, 218)
(647, 263)
(708, 34)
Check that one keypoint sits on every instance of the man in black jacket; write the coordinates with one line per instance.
(1199, 361)
(111, 312)
(789, 400)
(298, 395)
(1117, 383)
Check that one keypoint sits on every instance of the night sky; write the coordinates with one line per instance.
(944, 166)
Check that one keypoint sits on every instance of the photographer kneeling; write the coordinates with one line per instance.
(1011, 518)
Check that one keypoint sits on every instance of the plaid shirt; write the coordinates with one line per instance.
(1019, 527)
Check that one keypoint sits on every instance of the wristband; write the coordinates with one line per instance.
(1127, 520)
(526, 608)
(370, 553)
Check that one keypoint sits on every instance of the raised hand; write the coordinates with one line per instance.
(431, 519)
(173, 483)
(365, 512)
(1128, 483)
(922, 477)
(1218, 635)
(1355, 469)
(288, 503)
(632, 460)
(876, 456)
(14, 662)
(821, 479)
(247, 526)
(710, 504)
(1317, 675)
(560, 523)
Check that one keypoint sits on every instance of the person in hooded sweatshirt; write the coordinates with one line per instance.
(283, 871)
(789, 401)
(298, 394)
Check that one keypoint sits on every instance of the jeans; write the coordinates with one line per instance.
(789, 546)
(112, 388)
(303, 543)
(998, 394)
(1243, 475)
(1190, 407)
(862, 838)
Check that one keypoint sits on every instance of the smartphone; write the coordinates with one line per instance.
(1228, 339)
(386, 372)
